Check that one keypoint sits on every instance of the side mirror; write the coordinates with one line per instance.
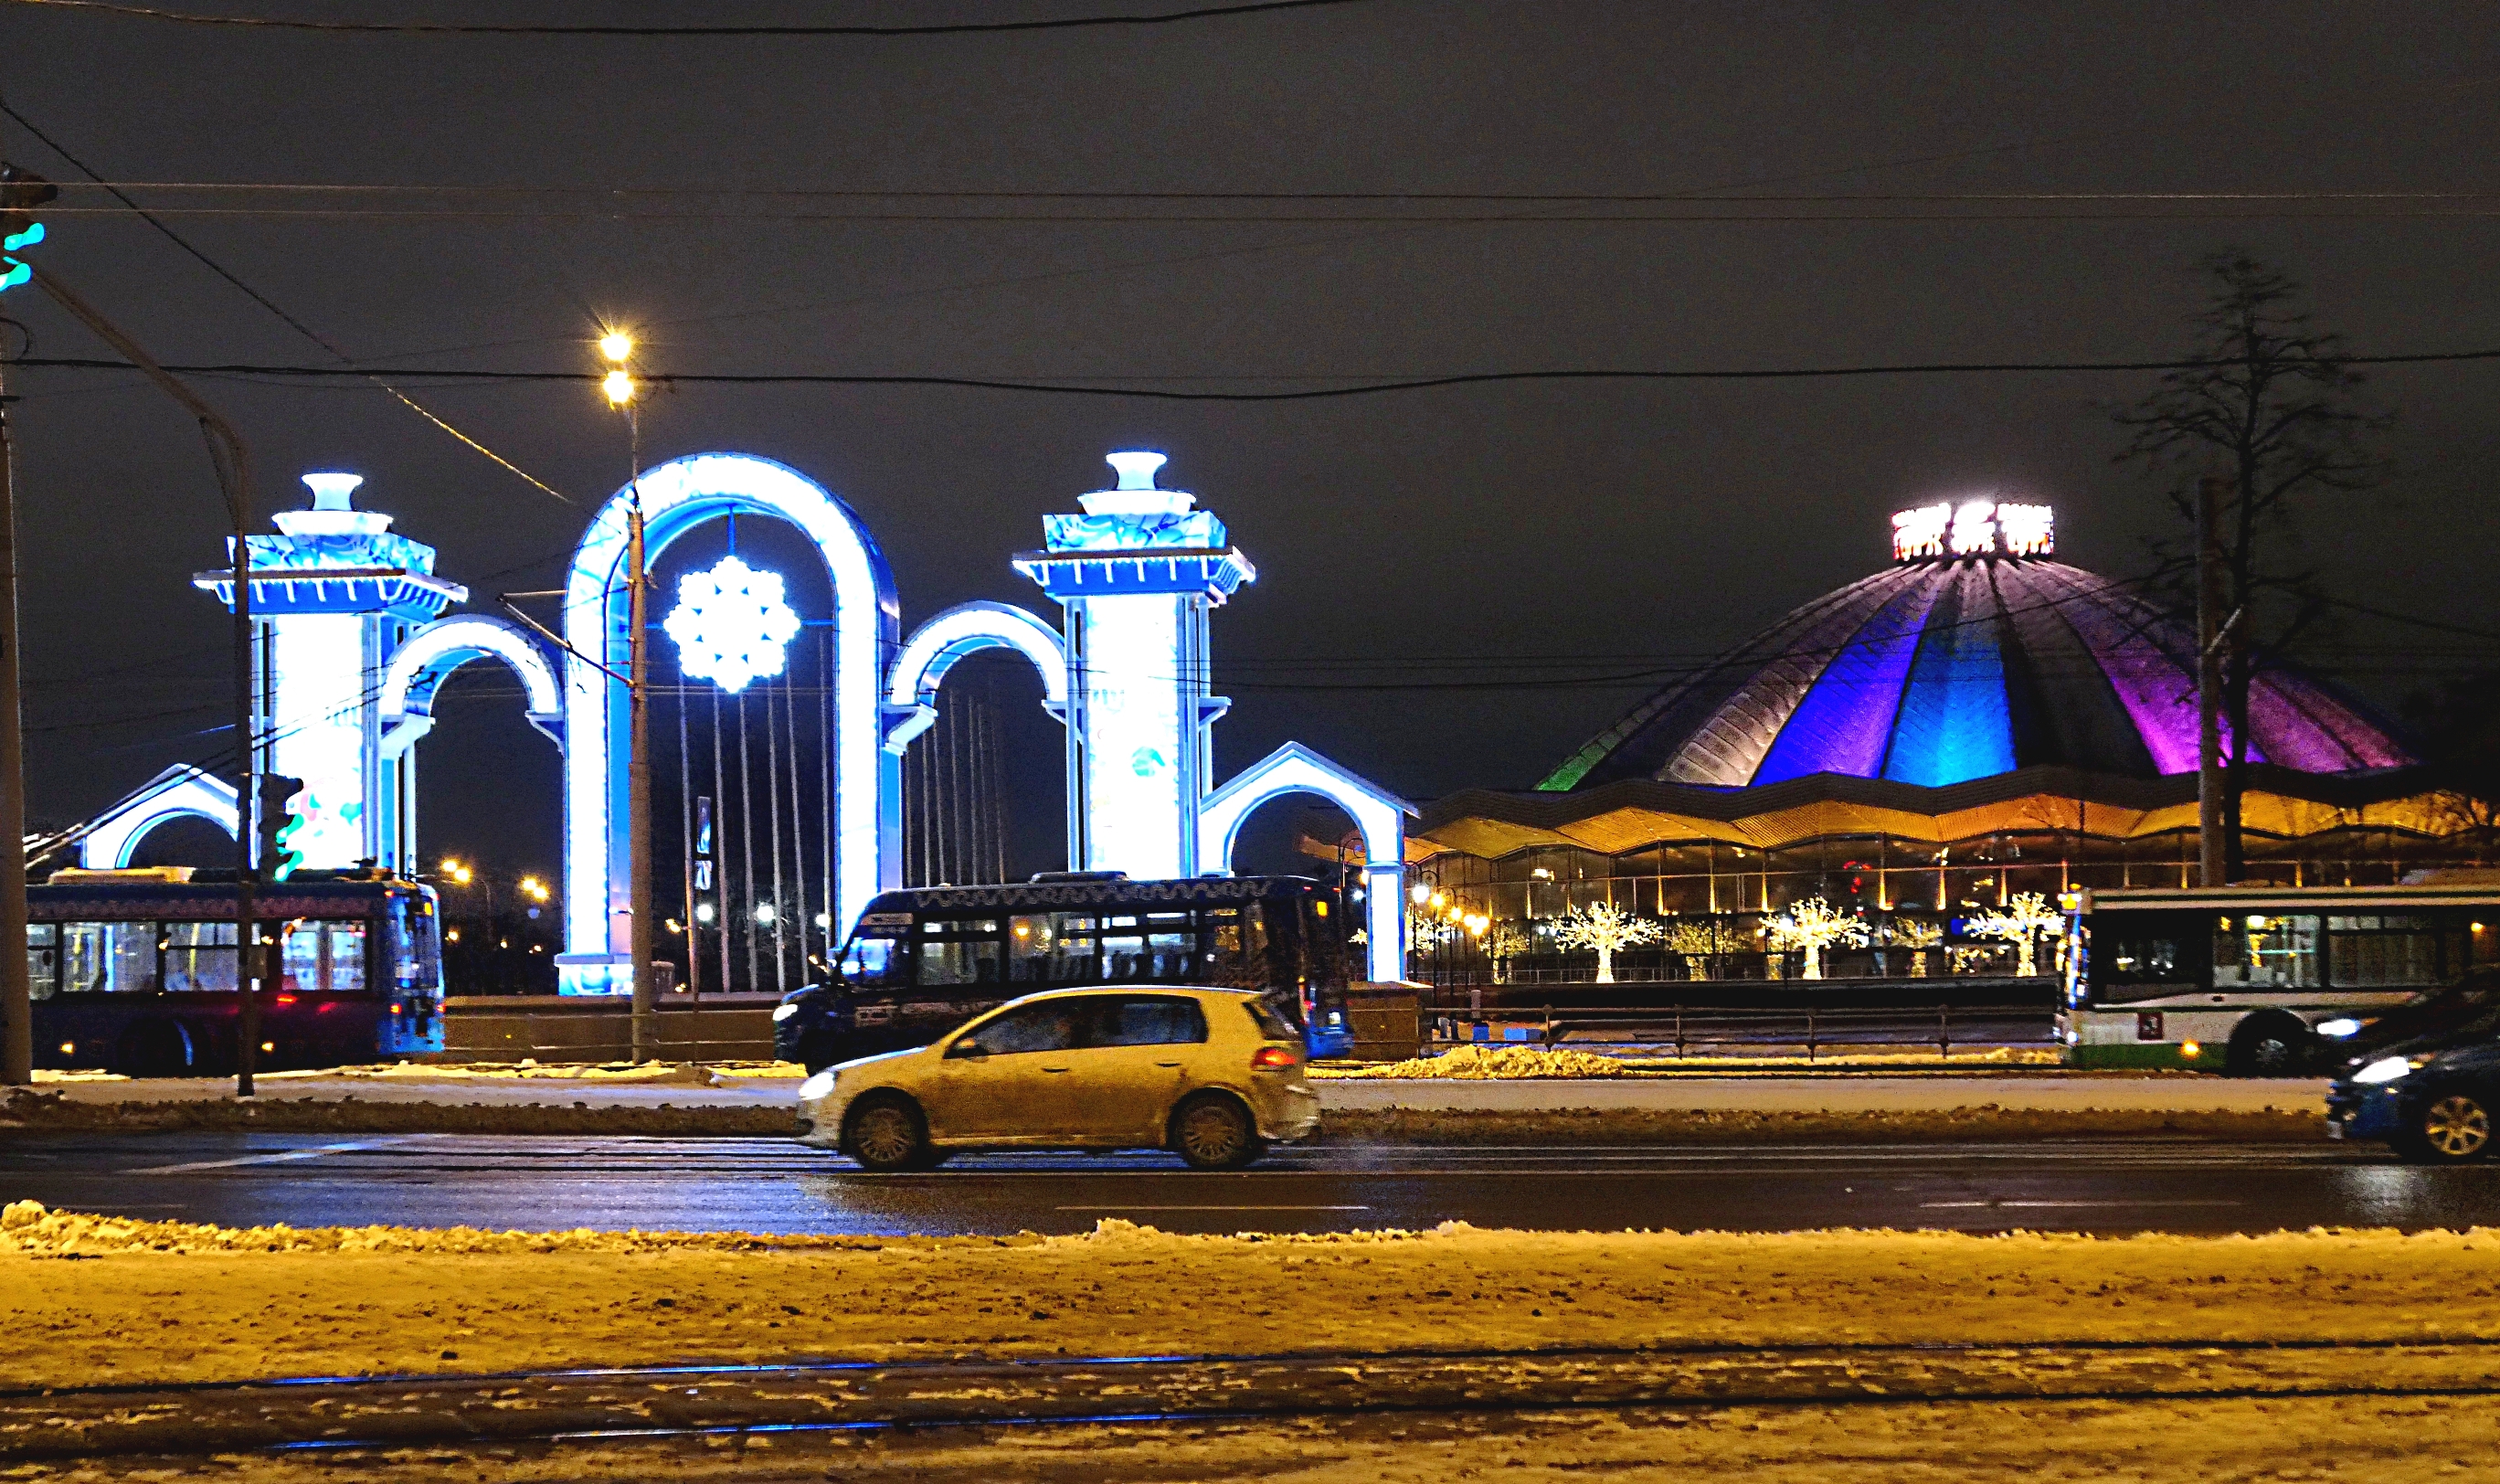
(968, 1049)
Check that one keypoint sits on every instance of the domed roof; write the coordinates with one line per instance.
(1974, 655)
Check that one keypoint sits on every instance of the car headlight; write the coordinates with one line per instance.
(783, 1012)
(822, 1085)
(2385, 1069)
(2333, 1030)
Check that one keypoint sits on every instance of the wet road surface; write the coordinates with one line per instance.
(775, 1185)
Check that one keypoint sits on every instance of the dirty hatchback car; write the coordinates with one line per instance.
(1214, 1075)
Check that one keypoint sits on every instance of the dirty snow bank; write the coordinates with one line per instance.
(1487, 1063)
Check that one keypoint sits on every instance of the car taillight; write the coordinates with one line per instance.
(1274, 1059)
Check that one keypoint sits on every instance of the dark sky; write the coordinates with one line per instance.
(1394, 535)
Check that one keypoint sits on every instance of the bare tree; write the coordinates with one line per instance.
(2272, 404)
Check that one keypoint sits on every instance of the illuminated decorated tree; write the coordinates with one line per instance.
(2022, 922)
(1918, 938)
(1506, 941)
(1814, 925)
(1606, 928)
(1700, 940)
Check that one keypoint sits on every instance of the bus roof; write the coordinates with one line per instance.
(2285, 898)
(1016, 895)
(126, 900)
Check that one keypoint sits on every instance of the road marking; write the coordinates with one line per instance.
(277, 1158)
(1214, 1207)
(2050, 1205)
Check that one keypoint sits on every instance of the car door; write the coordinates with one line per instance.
(1136, 1063)
(1010, 1079)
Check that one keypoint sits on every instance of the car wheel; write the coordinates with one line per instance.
(887, 1135)
(2270, 1048)
(2454, 1127)
(1214, 1132)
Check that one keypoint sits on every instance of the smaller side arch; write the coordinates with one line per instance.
(179, 792)
(1378, 814)
(957, 634)
(417, 671)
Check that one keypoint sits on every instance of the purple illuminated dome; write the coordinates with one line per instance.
(1974, 655)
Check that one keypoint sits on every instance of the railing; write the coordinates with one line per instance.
(1686, 1027)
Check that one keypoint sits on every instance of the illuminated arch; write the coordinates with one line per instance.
(1378, 814)
(912, 691)
(417, 671)
(179, 792)
(677, 497)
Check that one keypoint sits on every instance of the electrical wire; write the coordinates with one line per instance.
(265, 302)
(453, 28)
(1053, 387)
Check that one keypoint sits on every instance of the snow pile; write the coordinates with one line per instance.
(605, 1074)
(1496, 1064)
(30, 1226)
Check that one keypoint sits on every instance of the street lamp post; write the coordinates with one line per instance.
(618, 348)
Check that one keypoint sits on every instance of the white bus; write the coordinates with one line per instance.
(2246, 980)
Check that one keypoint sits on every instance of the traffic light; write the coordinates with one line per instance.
(279, 822)
(20, 192)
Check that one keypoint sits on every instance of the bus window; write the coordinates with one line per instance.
(1076, 958)
(1171, 946)
(42, 957)
(200, 956)
(873, 962)
(2259, 951)
(2370, 951)
(108, 957)
(2138, 958)
(960, 957)
(343, 966)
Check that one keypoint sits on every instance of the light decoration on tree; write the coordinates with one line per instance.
(1507, 941)
(1700, 941)
(2024, 921)
(1918, 938)
(732, 625)
(1606, 928)
(1814, 925)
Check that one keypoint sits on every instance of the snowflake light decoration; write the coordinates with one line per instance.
(731, 625)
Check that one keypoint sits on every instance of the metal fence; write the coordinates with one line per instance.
(1686, 1028)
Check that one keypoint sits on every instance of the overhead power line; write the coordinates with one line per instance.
(454, 28)
(1082, 388)
(265, 302)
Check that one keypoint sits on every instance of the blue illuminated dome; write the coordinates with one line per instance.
(1973, 656)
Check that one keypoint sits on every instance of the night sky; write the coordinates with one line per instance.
(1559, 532)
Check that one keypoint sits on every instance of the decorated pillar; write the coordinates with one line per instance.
(333, 594)
(1137, 575)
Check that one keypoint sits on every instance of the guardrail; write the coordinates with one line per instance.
(1686, 1027)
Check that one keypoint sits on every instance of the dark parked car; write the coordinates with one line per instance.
(2434, 1097)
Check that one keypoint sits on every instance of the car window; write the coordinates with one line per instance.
(1148, 1020)
(1271, 1024)
(1051, 1026)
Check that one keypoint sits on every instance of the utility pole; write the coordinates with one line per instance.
(20, 195)
(620, 389)
(233, 462)
(2210, 595)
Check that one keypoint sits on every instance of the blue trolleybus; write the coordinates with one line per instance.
(921, 963)
(134, 972)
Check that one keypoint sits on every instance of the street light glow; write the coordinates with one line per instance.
(616, 345)
(619, 388)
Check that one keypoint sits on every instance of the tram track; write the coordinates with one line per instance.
(580, 1406)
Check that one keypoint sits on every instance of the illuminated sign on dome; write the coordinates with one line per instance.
(1973, 528)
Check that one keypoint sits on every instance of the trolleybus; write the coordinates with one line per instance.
(134, 971)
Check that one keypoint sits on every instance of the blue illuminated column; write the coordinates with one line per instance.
(332, 596)
(1138, 573)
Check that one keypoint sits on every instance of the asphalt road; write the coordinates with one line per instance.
(773, 1185)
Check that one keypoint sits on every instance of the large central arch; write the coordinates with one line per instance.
(677, 497)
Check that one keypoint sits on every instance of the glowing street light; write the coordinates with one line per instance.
(764, 913)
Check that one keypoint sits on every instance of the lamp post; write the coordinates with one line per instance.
(618, 347)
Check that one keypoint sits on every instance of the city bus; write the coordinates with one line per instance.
(922, 962)
(2252, 980)
(134, 971)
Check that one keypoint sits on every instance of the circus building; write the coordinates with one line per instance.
(1975, 721)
